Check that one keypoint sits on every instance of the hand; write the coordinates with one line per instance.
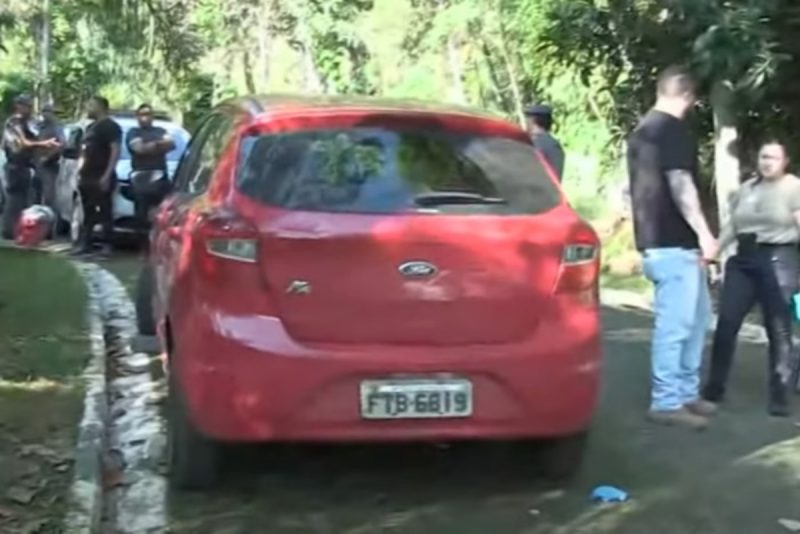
(709, 247)
(51, 143)
(714, 274)
(105, 182)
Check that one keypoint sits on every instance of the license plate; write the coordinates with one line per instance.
(416, 399)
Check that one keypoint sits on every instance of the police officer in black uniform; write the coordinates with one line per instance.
(48, 160)
(19, 144)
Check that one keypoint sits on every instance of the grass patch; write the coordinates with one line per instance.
(621, 266)
(43, 349)
(636, 283)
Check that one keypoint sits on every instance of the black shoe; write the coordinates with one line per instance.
(778, 405)
(104, 251)
(80, 252)
(713, 394)
(777, 409)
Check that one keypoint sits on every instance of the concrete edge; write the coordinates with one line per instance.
(85, 498)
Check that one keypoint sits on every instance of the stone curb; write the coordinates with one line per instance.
(86, 492)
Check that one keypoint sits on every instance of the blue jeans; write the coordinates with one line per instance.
(682, 315)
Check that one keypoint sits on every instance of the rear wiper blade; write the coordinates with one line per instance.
(441, 198)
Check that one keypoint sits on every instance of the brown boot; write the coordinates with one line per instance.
(679, 417)
(702, 407)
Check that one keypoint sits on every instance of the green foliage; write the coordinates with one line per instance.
(627, 42)
(594, 61)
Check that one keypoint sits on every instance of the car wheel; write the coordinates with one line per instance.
(144, 302)
(63, 228)
(560, 459)
(193, 459)
(77, 220)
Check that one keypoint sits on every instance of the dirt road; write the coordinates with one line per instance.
(741, 476)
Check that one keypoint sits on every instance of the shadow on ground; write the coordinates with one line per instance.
(738, 477)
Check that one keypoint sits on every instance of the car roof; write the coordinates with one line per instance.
(257, 105)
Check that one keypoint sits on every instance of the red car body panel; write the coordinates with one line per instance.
(256, 363)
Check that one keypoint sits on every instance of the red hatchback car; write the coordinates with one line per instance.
(335, 270)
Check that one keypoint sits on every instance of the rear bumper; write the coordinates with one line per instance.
(245, 379)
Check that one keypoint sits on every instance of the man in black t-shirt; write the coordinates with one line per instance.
(19, 144)
(673, 235)
(148, 144)
(97, 180)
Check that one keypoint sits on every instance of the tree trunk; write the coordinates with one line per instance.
(457, 93)
(44, 56)
(312, 80)
(249, 79)
(494, 76)
(265, 41)
(511, 69)
(726, 158)
(516, 94)
(456, 71)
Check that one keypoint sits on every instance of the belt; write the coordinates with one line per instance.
(748, 244)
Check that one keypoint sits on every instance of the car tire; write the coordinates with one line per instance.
(193, 459)
(62, 228)
(144, 302)
(76, 221)
(560, 459)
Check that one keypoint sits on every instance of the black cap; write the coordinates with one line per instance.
(23, 100)
(539, 110)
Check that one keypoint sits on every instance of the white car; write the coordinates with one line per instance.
(68, 206)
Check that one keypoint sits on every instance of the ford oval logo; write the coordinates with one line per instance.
(418, 269)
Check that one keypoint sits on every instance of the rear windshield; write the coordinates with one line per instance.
(379, 170)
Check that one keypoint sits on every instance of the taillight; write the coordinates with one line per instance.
(238, 249)
(224, 237)
(226, 255)
(577, 254)
(580, 263)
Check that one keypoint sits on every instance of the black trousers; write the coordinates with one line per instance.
(18, 197)
(97, 209)
(767, 275)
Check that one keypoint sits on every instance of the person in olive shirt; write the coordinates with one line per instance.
(149, 146)
(19, 144)
(765, 224)
(672, 234)
(101, 149)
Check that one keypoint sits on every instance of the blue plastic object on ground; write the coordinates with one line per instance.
(796, 306)
(609, 494)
